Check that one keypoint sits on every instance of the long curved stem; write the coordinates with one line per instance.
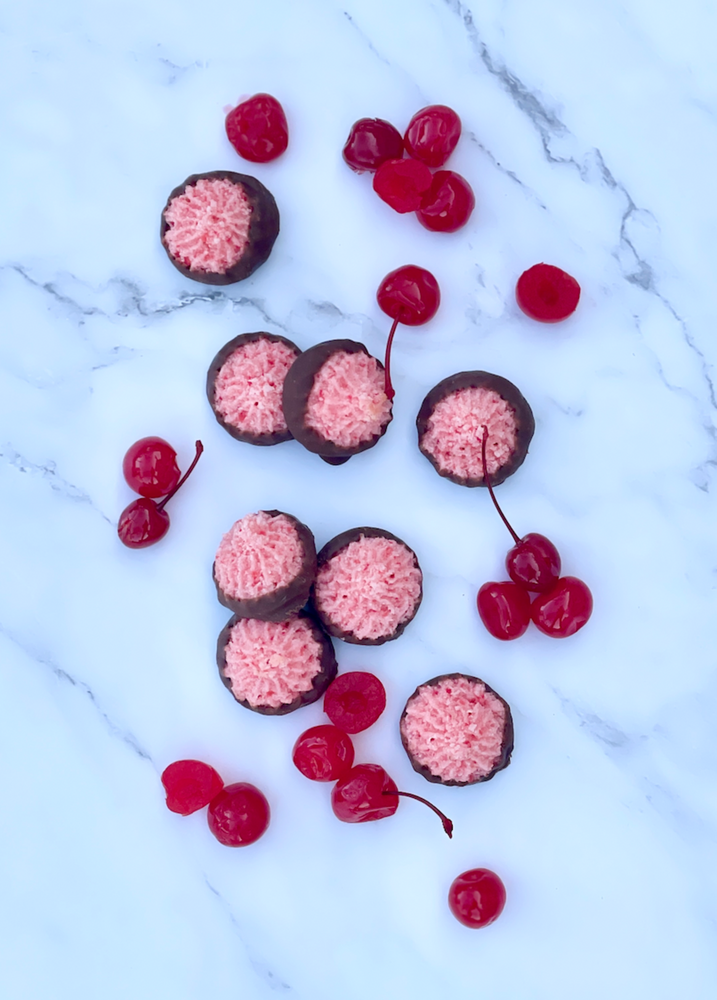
(506, 522)
(447, 823)
(388, 388)
(200, 448)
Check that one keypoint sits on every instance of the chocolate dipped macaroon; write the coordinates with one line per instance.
(219, 227)
(456, 730)
(368, 586)
(275, 667)
(265, 566)
(245, 382)
(451, 425)
(335, 401)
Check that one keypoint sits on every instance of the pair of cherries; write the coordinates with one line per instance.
(238, 814)
(150, 469)
(365, 792)
(444, 200)
(563, 605)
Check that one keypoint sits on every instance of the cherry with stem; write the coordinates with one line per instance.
(409, 295)
(367, 792)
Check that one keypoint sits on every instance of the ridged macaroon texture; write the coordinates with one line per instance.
(457, 730)
(265, 566)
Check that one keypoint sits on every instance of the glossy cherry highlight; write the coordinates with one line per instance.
(564, 609)
(238, 815)
(150, 467)
(367, 793)
(402, 184)
(371, 142)
(355, 700)
(190, 785)
(257, 128)
(409, 295)
(547, 293)
(323, 753)
(432, 134)
(504, 609)
(447, 204)
(144, 522)
(477, 897)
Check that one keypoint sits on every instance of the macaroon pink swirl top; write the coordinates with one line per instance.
(348, 404)
(208, 225)
(454, 432)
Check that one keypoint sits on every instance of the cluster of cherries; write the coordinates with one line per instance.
(563, 605)
(150, 469)
(443, 201)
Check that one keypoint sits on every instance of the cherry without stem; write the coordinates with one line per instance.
(144, 522)
(402, 184)
(190, 785)
(257, 128)
(150, 467)
(371, 142)
(409, 295)
(564, 610)
(547, 293)
(432, 134)
(323, 753)
(238, 815)
(504, 609)
(367, 793)
(355, 700)
(477, 897)
(447, 204)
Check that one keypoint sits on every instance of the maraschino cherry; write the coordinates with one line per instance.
(355, 700)
(150, 467)
(190, 785)
(447, 204)
(504, 609)
(409, 295)
(371, 142)
(564, 609)
(402, 184)
(238, 815)
(144, 522)
(477, 897)
(547, 293)
(257, 128)
(323, 753)
(432, 134)
(367, 793)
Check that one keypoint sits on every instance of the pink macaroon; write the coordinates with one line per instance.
(456, 730)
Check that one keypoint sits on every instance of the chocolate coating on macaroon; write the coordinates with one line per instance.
(435, 742)
(263, 228)
(281, 603)
(280, 433)
(297, 388)
(522, 418)
(325, 662)
(413, 582)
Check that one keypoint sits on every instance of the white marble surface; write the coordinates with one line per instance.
(590, 140)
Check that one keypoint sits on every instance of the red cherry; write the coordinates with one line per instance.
(257, 128)
(477, 897)
(367, 792)
(448, 204)
(533, 563)
(432, 134)
(323, 753)
(547, 294)
(238, 815)
(402, 184)
(150, 467)
(190, 785)
(371, 142)
(563, 610)
(144, 522)
(355, 700)
(409, 295)
(504, 609)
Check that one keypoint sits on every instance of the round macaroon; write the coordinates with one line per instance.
(335, 401)
(368, 586)
(265, 566)
(450, 428)
(245, 383)
(275, 667)
(456, 730)
(219, 227)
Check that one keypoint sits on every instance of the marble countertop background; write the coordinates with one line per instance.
(590, 139)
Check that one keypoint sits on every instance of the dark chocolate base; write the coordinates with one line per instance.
(506, 744)
(263, 228)
(280, 604)
(329, 550)
(220, 359)
(524, 420)
(327, 671)
(297, 387)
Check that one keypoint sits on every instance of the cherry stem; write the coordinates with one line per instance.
(388, 388)
(200, 448)
(506, 522)
(447, 823)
